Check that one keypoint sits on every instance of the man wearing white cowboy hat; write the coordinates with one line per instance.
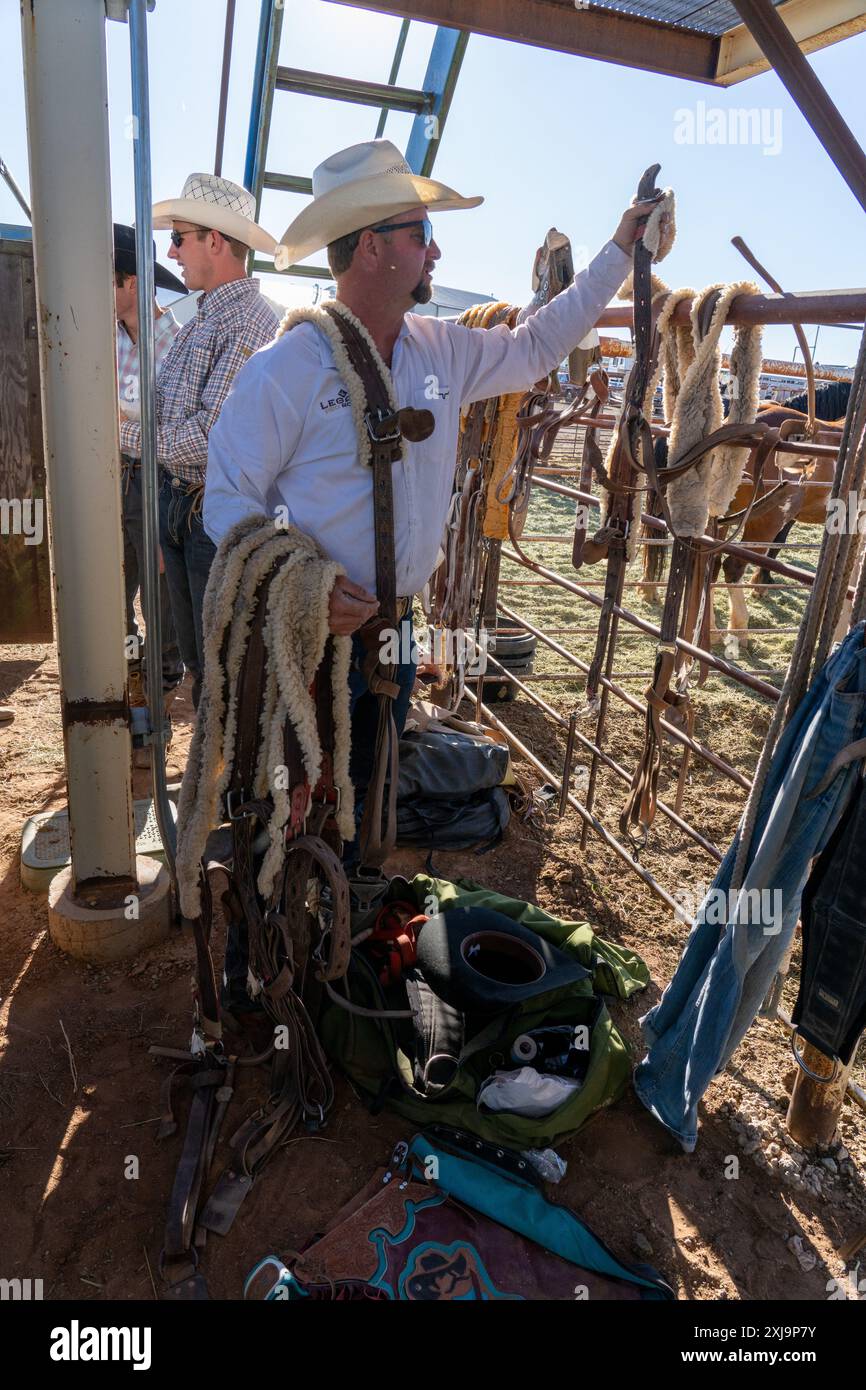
(212, 228)
(286, 446)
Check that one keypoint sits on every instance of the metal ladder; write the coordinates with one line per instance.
(430, 106)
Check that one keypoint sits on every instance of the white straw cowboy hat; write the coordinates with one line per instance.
(356, 188)
(225, 207)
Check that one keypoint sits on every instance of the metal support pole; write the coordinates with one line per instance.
(779, 46)
(149, 465)
(224, 86)
(64, 53)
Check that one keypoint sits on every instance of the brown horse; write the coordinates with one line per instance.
(802, 498)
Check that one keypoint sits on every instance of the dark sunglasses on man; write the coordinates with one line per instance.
(176, 238)
(423, 222)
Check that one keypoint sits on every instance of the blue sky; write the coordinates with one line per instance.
(548, 138)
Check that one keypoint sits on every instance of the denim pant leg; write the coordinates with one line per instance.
(188, 553)
(172, 520)
(130, 566)
(364, 709)
(133, 535)
(199, 552)
(730, 957)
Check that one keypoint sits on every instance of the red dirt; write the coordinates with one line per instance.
(73, 1219)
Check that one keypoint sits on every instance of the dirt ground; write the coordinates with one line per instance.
(80, 1097)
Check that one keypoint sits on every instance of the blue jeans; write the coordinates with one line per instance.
(364, 712)
(188, 553)
(133, 569)
(730, 959)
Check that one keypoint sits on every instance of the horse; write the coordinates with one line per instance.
(802, 499)
(803, 496)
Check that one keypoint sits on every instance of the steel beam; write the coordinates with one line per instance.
(809, 306)
(287, 183)
(64, 52)
(609, 35)
(778, 44)
(361, 93)
(443, 69)
(392, 75)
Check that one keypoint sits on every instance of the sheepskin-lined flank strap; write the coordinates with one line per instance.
(295, 634)
(707, 488)
(272, 738)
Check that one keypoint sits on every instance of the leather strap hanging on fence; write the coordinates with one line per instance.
(630, 450)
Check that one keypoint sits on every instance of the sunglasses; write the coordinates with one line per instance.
(176, 238)
(423, 222)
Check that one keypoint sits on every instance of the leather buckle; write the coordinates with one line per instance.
(374, 420)
(232, 797)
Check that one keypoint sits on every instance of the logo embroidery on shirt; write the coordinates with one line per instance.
(341, 399)
(434, 390)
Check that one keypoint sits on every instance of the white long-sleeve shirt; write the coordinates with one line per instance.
(285, 441)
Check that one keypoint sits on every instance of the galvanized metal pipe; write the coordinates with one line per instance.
(600, 830)
(652, 629)
(676, 734)
(822, 307)
(724, 547)
(149, 465)
(64, 58)
(784, 446)
(573, 734)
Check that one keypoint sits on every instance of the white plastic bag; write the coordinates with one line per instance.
(525, 1092)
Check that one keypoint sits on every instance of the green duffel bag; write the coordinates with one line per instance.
(380, 1056)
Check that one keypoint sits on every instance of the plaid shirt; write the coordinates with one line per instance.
(231, 323)
(165, 327)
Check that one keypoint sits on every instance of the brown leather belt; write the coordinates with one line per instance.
(386, 429)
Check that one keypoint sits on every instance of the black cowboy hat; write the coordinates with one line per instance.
(124, 260)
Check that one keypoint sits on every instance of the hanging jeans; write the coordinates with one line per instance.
(188, 553)
(730, 959)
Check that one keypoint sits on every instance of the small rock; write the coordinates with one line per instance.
(641, 1244)
(842, 1154)
(774, 1150)
(830, 1164)
(688, 1242)
(847, 1169)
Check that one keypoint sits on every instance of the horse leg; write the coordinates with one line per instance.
(763, 576)
(736, 638)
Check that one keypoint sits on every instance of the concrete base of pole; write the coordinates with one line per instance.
(102, 935)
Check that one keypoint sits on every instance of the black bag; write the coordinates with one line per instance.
(448, 793)
(459, 824)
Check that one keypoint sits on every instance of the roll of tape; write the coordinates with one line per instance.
(524, 1049)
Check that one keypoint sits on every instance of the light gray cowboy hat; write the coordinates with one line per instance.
(356, 188)
(210, 201)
